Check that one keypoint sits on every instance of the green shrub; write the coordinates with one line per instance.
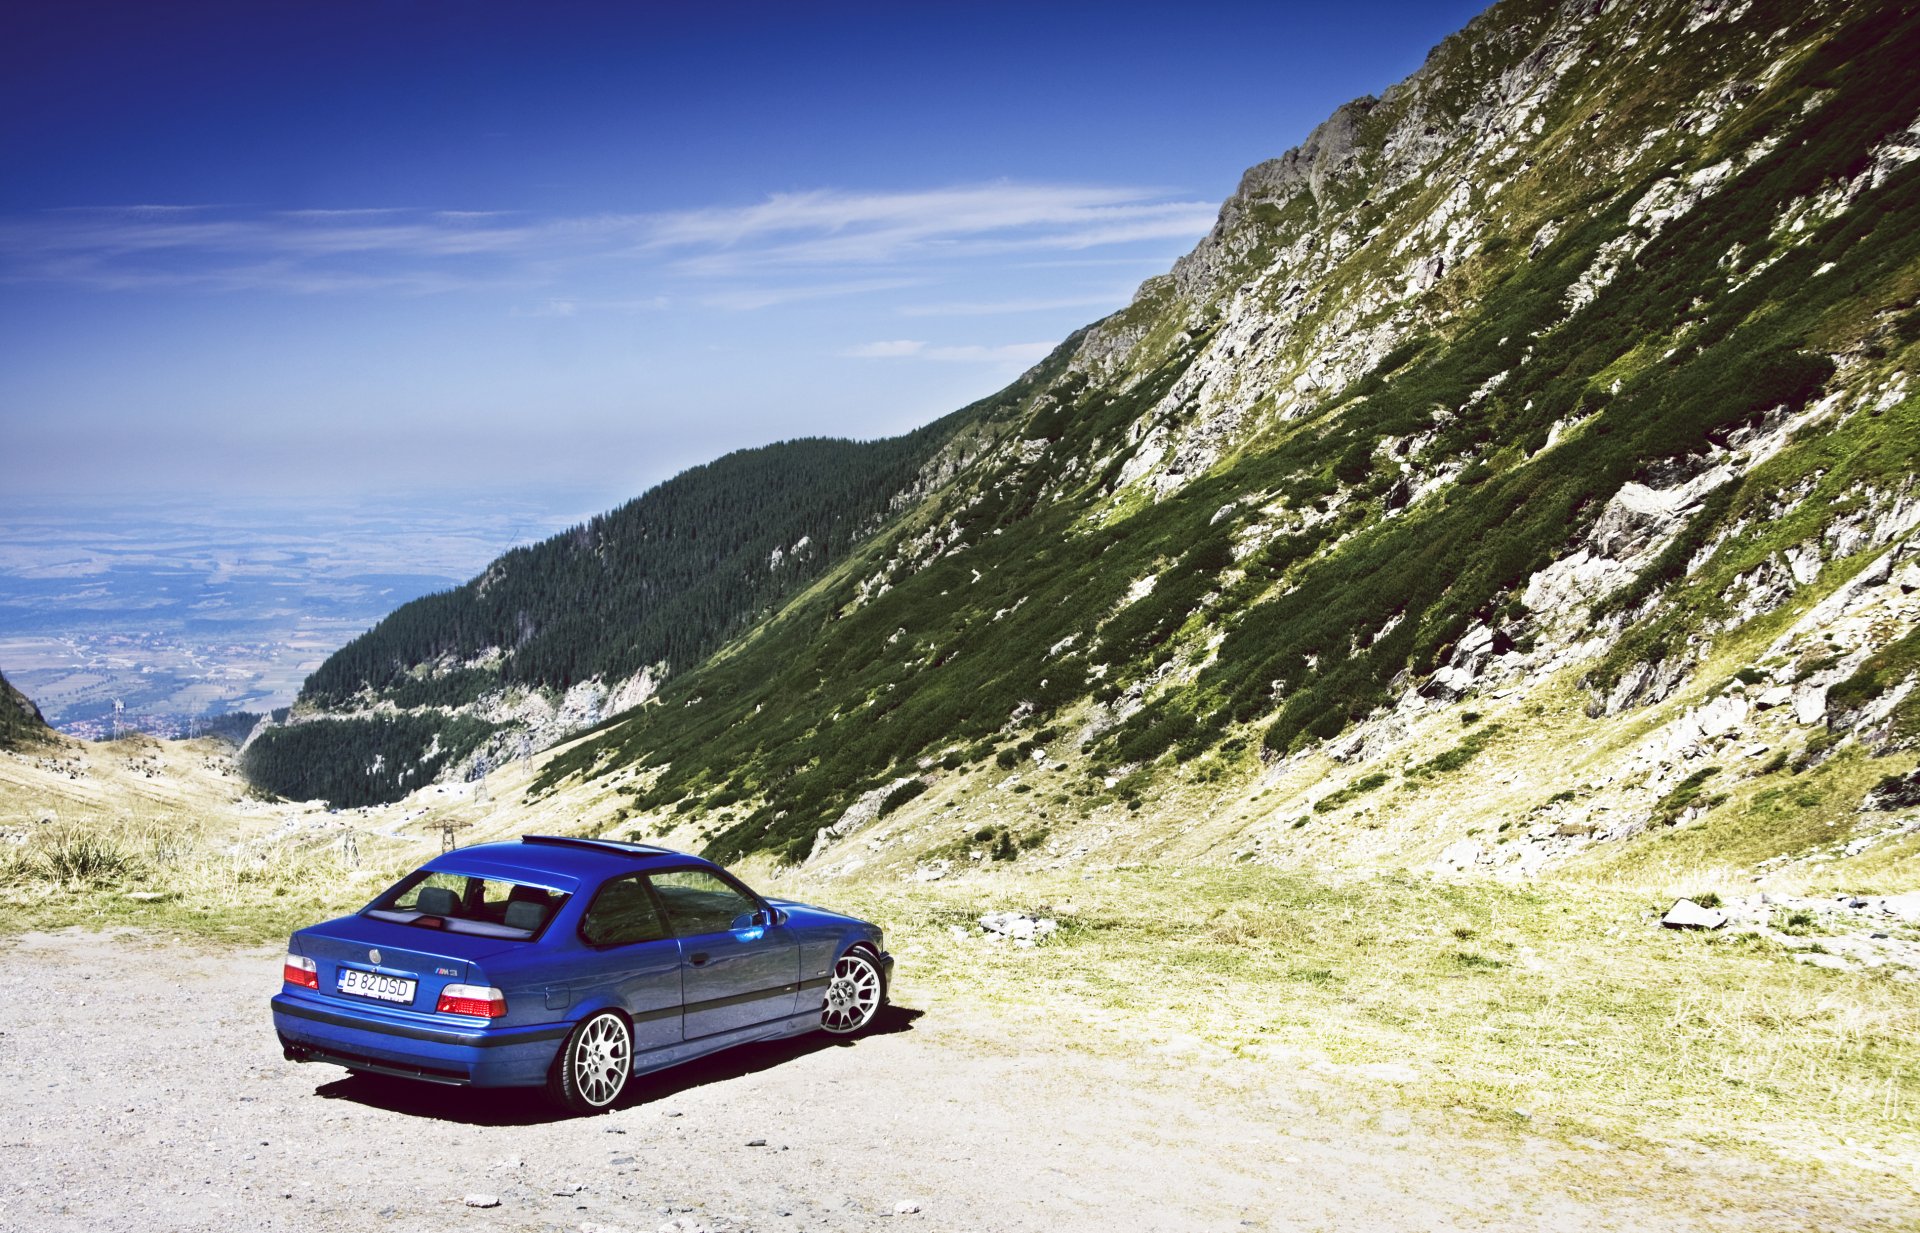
(901, 795)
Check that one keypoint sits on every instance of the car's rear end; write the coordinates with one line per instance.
(429, 984)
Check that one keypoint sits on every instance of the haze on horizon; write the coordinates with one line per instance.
(416, 248)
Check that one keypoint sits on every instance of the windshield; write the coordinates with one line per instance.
(468, 903)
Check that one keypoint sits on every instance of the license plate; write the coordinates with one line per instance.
(374, 985)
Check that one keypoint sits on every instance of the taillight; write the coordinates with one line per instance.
(300, 970)
(478, 1000)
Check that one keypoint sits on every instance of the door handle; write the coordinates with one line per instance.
(700, 957)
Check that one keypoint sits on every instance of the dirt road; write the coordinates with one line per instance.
(141, 1088)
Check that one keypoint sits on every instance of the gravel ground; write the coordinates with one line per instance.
(144, 1090)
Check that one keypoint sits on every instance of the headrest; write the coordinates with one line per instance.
(436, 901)
(525, 914)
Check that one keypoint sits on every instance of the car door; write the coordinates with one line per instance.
(631, 960)
(738, 969)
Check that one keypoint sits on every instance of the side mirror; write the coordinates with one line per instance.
(780, 916)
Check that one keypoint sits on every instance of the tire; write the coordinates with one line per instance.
(594, 1065)
(855, 994)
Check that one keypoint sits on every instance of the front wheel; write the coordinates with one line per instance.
(854, 994)
(594, 1064)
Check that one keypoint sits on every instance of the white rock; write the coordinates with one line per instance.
(906, 1207)
(1779, 695)
(1810, 704)
(1723, 715)
(1460, 854)
(1686, 914)
(482, 1200)
(1906, 907)
(1025, 930)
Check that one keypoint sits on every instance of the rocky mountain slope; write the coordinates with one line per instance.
(1520, 473)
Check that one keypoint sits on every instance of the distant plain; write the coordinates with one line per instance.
(184, 610)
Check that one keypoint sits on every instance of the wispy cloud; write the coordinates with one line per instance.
(746, 299)
(1001, 308)
(910, 348)
(785, 248)
(299, 251)
(886, 350)
(560, 306)
(832, 228)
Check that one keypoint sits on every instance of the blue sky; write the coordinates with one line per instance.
(406, 247)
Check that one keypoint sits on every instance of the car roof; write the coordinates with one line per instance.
(548, 859)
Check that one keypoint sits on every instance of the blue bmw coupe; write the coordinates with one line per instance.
(572, 963)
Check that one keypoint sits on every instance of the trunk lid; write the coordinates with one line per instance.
(430, 958)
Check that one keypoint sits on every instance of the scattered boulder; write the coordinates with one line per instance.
(1023, 930)
(1686, 914)
(906, 1207)
(1723, 715)
(1810, 704)
(1895, 792)
(1448, 683)
(482, 1200)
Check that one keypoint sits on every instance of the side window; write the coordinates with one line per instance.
(698, 902)
(621, 913)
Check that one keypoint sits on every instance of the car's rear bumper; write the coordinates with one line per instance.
(484, 1057)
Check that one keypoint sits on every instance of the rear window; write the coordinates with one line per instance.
(465, 903)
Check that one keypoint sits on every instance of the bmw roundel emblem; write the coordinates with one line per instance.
(373, 957)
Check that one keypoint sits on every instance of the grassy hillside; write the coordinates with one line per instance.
(1616, 323)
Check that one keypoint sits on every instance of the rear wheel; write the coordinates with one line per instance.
(854, 994)
(594, 1064)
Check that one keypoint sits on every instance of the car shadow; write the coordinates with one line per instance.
(529, 1106)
